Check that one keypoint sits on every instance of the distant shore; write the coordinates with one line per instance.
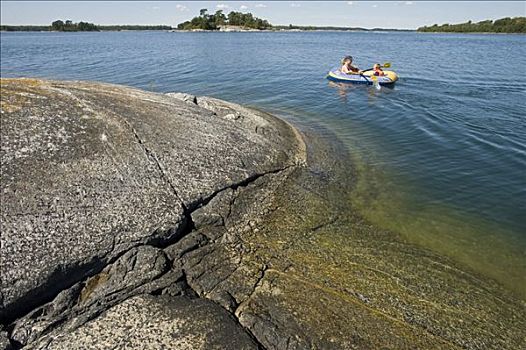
(35, 28)
(450, 33)
(263, 31)
(274, 30)
(293, 30)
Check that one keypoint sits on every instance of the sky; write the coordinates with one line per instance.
(366, 14)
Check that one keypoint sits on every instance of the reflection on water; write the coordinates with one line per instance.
(342, 90)
(346, 89)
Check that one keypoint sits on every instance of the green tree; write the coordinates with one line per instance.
(220, 18)
(69, 26)
(214, 21)
(57, 25)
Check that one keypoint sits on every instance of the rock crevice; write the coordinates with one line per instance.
(146, 268)
(132, 158)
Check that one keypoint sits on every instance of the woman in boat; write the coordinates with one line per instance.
(347, 66)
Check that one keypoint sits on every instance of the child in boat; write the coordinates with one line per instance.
(377, 70)
(347, 66)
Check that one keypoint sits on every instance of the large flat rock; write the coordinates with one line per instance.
(90, 170)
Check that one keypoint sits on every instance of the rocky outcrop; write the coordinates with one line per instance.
(97, 178)
(137, 219)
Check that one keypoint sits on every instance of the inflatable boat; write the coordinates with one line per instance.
(336, 74)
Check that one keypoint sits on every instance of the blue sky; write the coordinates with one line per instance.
(368, 14)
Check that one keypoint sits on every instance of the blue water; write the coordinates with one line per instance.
(444, 151)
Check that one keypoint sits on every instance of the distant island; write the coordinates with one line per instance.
(503, 25)
(69, 26)
(219, 20)
(237, 21)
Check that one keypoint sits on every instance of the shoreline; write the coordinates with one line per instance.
(274, 31)
(469, 33)
(262, 31)
(279, 248)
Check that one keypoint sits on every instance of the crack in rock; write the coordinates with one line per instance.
(257, 285)
(124, 276)
(131, 256)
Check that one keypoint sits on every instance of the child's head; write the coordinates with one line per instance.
(347, 60)
(376, 66)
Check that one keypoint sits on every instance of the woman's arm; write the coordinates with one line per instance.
(353, 69)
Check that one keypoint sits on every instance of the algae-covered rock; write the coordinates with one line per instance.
(301, 269)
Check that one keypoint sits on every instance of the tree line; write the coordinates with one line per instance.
(503, 25)
(69, 26)
(214, 21)
(24, 28)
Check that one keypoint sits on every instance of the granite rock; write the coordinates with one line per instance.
(96, 177)
(149, 322)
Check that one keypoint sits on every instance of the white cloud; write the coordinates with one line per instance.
(294, 4)
(375, 6)
(181, 7)
(409, 3)
(261, 5)
(349, 2)
(156, 8)
(243, 7)
(222, 6)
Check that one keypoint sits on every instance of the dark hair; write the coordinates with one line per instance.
(346, 58)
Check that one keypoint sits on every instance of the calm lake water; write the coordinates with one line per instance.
(441, 157)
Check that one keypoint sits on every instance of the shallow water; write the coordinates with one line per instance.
(441, 157)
